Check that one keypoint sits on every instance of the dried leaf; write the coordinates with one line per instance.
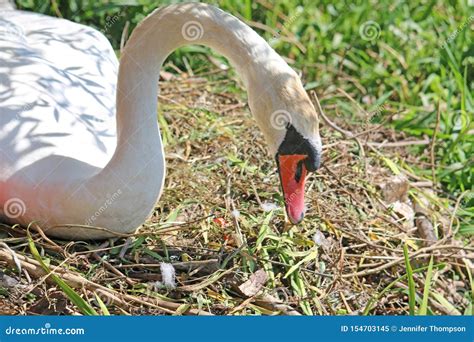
(320, 240)
(7, 281)
(255, 283)
(426, 230)
(274, 304)
(405, 212)
(395, 189)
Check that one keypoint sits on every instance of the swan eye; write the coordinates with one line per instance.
(299, 170)
(295, 157)
(295, 144)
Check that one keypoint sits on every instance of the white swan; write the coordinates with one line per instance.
(71, 156)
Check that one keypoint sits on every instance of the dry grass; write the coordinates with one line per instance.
(217, 165)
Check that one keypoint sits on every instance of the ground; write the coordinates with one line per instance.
(389, 226)
(221, 220)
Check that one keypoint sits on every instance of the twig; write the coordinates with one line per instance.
(185, 265)
(112, 269)
(76, 281)
(124, 235)
(402, 143)
(433, 144)
(230, 206)
(210, 280)
(453, 215)
(124, 36)
(383, 123)
(343, 92)
(346, 134)
(52, 245)
(242, 305)
(271, 303)
(14, 256)
(421, 251)
(125, 247)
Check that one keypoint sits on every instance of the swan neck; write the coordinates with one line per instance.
(162, 32)
(138, 163)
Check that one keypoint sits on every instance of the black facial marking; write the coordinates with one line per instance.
(295, 143)
(299, 171)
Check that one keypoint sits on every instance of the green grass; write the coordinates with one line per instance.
(421, 54)
(426, 291)
(411, 281)
(406, 68)
(84, 307)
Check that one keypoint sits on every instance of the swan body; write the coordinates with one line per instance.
(80, 148)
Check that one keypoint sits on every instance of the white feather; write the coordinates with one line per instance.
(168, 275)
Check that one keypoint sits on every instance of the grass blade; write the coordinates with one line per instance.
(471, 281)
(426, 291)
(73, 296)
(264, 230)
(102, 305)
(411, 282)
(312, 255)
(450, 308)
(373, 300)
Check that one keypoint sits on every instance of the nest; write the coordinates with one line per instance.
(221, 225)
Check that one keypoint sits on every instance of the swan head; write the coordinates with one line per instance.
(297, 155)
(290, 125)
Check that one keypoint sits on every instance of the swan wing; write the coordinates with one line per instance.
(57, 92)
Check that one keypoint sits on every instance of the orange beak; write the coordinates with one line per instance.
(292, 177)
